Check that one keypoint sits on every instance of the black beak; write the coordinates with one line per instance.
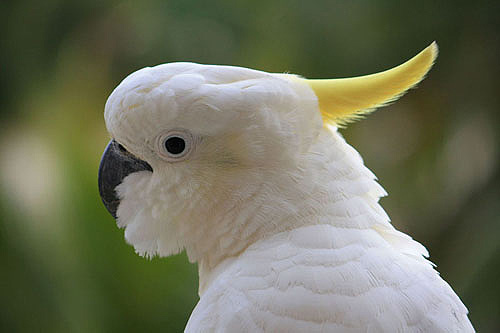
(116, 164)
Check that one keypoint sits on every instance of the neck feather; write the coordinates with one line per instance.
(331, 186)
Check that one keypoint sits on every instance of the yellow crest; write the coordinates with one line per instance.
(345, 100)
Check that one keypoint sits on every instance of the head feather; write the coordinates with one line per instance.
(344, 100)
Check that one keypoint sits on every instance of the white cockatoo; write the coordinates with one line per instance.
(246, 172)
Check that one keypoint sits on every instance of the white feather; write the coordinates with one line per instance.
(279, 212)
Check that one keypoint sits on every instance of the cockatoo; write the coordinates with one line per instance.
(246, 171)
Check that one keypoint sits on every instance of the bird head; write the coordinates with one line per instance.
(192, 145)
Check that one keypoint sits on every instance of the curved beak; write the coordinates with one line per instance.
(116, 164)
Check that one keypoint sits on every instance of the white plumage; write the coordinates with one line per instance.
(278, 210)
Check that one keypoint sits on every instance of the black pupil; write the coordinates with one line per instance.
(175, 145)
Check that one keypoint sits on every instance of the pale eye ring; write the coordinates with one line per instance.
(175, 145)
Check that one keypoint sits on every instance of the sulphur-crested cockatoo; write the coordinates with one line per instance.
(246, 172)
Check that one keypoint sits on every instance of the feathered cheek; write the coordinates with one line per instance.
(133, 193)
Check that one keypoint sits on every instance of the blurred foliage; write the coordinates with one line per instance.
(65, 265)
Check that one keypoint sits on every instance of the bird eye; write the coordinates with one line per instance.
(175, 145)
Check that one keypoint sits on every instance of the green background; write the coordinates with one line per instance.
(65, 265)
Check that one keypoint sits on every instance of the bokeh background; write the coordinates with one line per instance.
(64, 264)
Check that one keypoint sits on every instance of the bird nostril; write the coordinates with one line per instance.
(122, 149)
